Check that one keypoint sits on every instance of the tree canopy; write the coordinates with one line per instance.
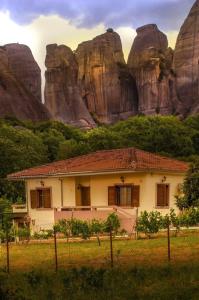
(25, 144)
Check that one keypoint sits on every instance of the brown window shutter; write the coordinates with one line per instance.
(33, 199)
(47, 198)
(111, 195)
(162, 195)
(167, 194)
(135, 196)
(85, 196)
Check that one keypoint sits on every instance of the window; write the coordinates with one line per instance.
(163, 195)
(123, 195)
(40, 198)
(126, 196)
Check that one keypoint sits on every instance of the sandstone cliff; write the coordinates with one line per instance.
(20, 89)
(186, 62)
(107, 87)
(62, 94)
(25, 68)
(150, 61)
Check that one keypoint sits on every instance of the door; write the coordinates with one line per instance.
(85, 196)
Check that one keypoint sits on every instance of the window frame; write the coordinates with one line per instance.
(37, 189)
(124, 186)
(156, 202)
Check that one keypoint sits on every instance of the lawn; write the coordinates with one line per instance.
(126, 253)
(141, 270)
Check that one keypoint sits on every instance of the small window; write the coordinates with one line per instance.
(163, 195)
(40, 198)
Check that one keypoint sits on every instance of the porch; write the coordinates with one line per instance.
(127, 215)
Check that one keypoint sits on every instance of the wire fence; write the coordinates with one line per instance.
(107, 249)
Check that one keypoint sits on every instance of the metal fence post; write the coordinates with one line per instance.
(169, 242)
(111, 246)
(55, 248)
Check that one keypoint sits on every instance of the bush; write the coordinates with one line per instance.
(189, 217)
(112, 223)
(149, 223)
(23, 233)
(43, 235)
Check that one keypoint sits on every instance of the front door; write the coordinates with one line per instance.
(85, 196)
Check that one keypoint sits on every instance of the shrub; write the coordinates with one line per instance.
(112, 223)
(149, 223)
(43, 234)
(23, 233)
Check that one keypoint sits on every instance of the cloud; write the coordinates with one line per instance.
(168, 14)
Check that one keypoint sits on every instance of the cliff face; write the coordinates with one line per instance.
(17, 98)
(150, 61)
(25, 68)
(186, 62)
(95, 84)
(62, 94)
(107, 87)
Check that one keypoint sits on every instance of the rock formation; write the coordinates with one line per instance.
(150, 61)
(18, 95)
(62, 94)
(186, 62)
(94, 84)
(107, 87)
(25, 68)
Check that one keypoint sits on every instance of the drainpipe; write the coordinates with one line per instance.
(62, 193)
(27, 204)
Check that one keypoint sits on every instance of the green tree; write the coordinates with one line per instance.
(191, 185)
(19, 149)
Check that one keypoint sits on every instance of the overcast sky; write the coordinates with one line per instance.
(40, 22)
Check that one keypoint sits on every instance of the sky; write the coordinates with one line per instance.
(37, 23)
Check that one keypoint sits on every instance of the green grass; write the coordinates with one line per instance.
(126, 252)
(141, 270)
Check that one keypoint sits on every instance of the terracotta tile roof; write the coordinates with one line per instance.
(106, 161)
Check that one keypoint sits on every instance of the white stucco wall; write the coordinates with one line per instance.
(44, 218)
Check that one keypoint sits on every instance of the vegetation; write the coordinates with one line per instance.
(86, 283)
(86, 229)
(141, 270)
(27, 144)
(127, 252)
(152, 222)
(190, 189)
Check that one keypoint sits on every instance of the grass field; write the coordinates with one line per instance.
(126, 252)
(141, 270)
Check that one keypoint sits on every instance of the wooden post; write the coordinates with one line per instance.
(111, 246)
(7, 251)
(169, 243)
(55, 244)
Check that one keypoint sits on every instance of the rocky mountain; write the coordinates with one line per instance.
(20, 84)
(94, 84)
(150, 62)
(107, 87)
(186, 62)
(62, 93)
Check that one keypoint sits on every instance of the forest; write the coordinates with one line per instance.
(24, 144)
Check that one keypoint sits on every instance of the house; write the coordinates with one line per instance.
(126, 181)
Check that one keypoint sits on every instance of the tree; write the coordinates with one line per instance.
(191, 185)
(5, 218)
(19, 149)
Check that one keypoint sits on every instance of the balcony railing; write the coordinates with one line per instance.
(19, 208)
